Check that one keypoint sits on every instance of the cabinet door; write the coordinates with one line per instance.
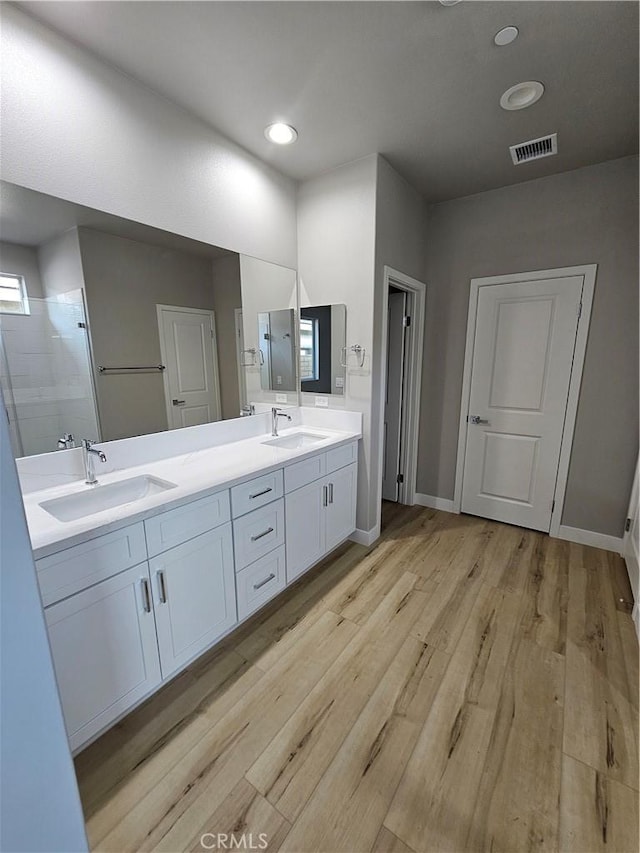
(195, 597)
(304, 520)
(341, 509)
(103, 642)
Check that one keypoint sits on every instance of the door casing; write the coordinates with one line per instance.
(588, 273)
(414, 382)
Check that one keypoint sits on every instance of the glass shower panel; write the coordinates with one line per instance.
(49, 374)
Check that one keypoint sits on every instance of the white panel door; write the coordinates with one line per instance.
(340, 515)
(195, 596)
(103, 642)
(191, 382)
(393, 403)
(524, 341)
(305, 525)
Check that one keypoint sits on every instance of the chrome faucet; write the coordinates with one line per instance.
(66, 442)
(275, 414)
(88, 452)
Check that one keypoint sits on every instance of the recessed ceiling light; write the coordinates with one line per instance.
(505, 36)
(449, 2)
(281, 134)
(522, 95)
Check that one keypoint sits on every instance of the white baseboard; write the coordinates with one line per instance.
(365, 537)
(434, 503)
(588, 537)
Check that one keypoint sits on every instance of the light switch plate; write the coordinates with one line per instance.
(322, 402)
(281, 398)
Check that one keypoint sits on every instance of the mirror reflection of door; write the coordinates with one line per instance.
(189, 353)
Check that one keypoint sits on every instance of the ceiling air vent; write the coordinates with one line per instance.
(534, 149)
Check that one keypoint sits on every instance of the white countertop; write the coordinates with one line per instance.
(195, 475)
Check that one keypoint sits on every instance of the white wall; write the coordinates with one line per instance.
(76, 128)
(39, 804)
(336, 250)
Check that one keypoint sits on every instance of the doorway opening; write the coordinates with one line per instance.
(403, 312)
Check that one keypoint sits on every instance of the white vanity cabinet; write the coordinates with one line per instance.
(322, 513)
(130, 608)
(103, 642)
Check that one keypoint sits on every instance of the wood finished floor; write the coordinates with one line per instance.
(462, 685)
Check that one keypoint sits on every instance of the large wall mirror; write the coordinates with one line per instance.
(111, 329)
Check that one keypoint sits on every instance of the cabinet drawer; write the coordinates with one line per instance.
(340, 457)
(256, 493)
(301, 473)
(260, 581)
(84, 565)
(258, 533)
(184, 523)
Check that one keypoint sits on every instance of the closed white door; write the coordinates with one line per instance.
(195, 596)
(340, 516)
(189, 353)
(393, 404)
(523, 352)
(103, 642)
(305, 526)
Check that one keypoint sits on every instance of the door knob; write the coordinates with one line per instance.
(178, 402)
(476, 419)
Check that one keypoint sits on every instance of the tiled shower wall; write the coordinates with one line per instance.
(46, 376)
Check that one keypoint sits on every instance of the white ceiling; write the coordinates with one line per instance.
(415, 81)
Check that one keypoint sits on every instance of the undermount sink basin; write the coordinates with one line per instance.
(295, 440)
(98, 498)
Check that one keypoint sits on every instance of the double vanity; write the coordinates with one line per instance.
(143, 572)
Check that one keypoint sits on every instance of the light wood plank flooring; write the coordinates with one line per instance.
(461, 685)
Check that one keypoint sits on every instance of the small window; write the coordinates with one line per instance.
(308, 350)
(13, 294)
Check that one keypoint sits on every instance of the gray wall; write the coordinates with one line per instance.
(227, 296)
(22, 260)
(586, 216)
(39, 803)
(60, 264)
(124, 280)
(401, 232)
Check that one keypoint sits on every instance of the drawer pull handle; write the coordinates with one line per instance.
(260, 535)
(163, 586)
(324, 495)
(259, 494)
(146, 598)
(265, 581)
(330, 493)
